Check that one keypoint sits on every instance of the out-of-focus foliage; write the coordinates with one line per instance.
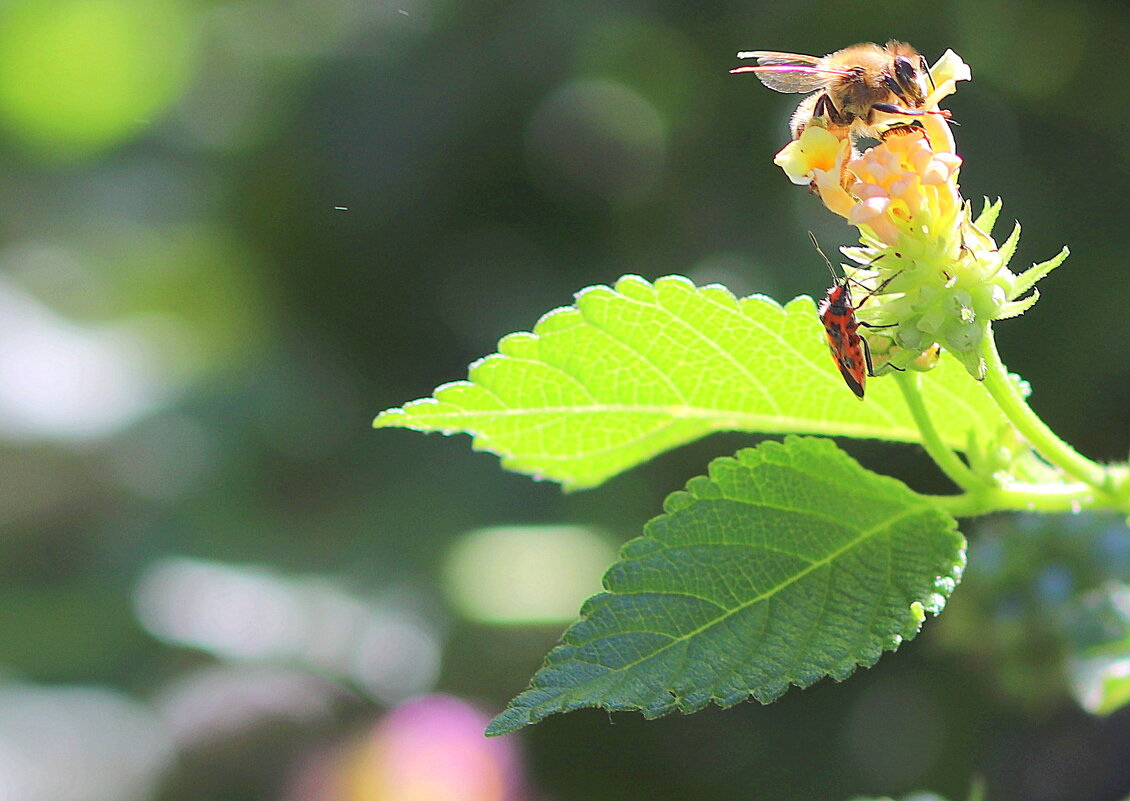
(82, 75)
(1046, 607)
(911, 797)
(232, 231)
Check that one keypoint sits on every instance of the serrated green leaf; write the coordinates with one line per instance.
(788, 563)
(1018, 307)
(630, 372)
(1027, 279)
(1008, 248)
(990, 210)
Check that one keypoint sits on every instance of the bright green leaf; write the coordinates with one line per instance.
(788, 563)
(1027, 279)
(631, 372)
(1008, 248)
(987, 219)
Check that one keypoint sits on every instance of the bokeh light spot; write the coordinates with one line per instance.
(625, 48)
(250, 614)
(734, 270)
(80, 75)
(526, 574)
(78, 744)
(433, 749)
(218, 701)
(61, 380)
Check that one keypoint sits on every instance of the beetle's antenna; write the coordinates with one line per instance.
(831, 269)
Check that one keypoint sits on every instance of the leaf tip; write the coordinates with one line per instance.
(386, 419)
(626, 283)
(507, 721)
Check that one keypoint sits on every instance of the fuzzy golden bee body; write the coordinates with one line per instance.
(861, 91)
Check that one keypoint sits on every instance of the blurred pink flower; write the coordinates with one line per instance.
(428, 749)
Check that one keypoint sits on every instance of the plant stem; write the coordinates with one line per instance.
(1021, 498)
(1008, 396)
(956, 470)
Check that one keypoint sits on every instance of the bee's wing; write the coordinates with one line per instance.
(773, 57)
(793, 77)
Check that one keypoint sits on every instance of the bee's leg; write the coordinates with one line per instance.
(898, 89)
(839, 123)
(902, 129)
(803, 115)
(820, 106)
(826, 108)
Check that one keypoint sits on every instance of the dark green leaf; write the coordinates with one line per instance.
(788, 563)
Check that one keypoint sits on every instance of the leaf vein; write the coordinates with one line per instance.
(769, 593)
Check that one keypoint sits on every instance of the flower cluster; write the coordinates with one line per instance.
(936, 274)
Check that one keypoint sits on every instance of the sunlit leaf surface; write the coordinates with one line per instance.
(630, 372)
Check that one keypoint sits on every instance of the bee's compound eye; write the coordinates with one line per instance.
(905, 71)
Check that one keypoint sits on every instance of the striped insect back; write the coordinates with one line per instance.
(837, 314)
(849, 349)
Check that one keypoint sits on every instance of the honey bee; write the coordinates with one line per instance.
(860, 91)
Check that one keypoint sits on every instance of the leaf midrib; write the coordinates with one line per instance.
(831, 556)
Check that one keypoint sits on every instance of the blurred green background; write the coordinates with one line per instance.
(233, 231)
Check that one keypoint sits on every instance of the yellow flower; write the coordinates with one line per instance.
(945, 74)
(935, 276)
(816, 149)
(904, 188)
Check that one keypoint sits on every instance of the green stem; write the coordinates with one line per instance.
(1022, 498)
(1008, 396)
(957, 471)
